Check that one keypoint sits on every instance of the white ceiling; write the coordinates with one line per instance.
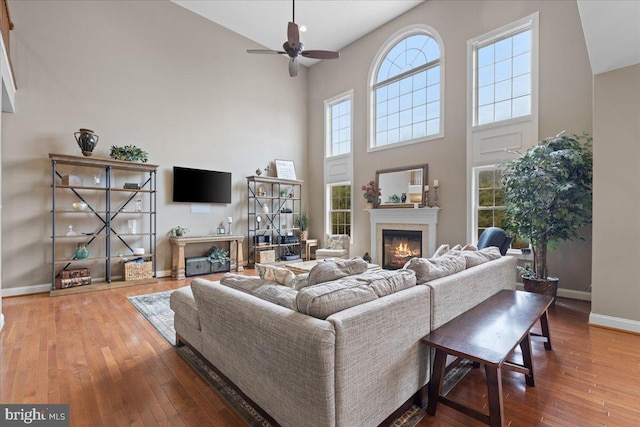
(331, 24)
(612, 33)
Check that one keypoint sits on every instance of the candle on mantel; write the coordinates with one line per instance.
(229, 219)
(426, 188)
(435, 183)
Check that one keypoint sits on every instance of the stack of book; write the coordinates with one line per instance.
(73, 277)
(131, 186)
(72, 180)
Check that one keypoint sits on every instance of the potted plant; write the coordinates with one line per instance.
(548, 197)
(371, 193)
(178, 231)
(130, 153)
(302, 221)
(219, 259)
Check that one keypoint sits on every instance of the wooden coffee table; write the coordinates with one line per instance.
(306, 266)
(487, 335)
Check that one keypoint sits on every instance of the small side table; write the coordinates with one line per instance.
(310, 243)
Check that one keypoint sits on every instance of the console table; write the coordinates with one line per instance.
(178, 244)
(488, 334)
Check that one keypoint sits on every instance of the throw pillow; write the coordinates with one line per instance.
(300, 281)
(469, 247)
(443, 249)
(335, 269)
(473, 258)
(275, 274)
(431, 269)
(335, 243)
(276, 294)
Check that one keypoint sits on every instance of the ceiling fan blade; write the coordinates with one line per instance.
(320, 54)
(293, 35)
(266, 51)
(293, 67)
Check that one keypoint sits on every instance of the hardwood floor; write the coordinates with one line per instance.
(96, 352)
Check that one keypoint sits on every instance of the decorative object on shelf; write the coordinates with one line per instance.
(371, 193)
(426, 196)
(302, 222)
(138, 251)
(139, 205)
(265, 208)
(82, 252)
(229, 220)
(87, 141)
(72, 180)
(260, 192)
(258, 172)
(258, 220)
(178, 231)
(131, 186)
(369, 205)
(71, 232)
(435, 190)
(79, 206)
(394, 198)
(267, 170)
(132, 225)
(283, 193)
(548, 196)
(130, 153)
(219, 259)
(403, 197)
(285, 169)
(221, 229)
(96, 180)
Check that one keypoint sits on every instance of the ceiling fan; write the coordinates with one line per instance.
(294, 47)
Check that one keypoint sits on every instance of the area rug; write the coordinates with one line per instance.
(155, 308)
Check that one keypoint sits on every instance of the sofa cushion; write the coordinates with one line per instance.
(335, 269)
(442, 249)
(272, 273)
(277, 294)
(325, 299)
(434, 268)
(473, 258)
(242, 283)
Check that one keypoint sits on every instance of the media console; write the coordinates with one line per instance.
(178, 244)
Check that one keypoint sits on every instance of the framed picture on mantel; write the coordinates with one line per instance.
(286, 169)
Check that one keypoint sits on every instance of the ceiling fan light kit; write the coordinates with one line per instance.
(294, 48)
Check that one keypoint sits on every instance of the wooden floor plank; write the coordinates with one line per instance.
(96, 352)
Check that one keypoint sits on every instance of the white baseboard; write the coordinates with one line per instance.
(614, 322)
(1, 321)
(566, 293)
(38, 289)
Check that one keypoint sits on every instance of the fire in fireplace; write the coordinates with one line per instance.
(399, 246)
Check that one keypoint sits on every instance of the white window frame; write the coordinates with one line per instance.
(338, 169)
(474, 197)
(490, 144)
(416, 29)
(329, 210)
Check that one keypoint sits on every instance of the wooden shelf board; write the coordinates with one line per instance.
(66, 159)
(80, 261)
(101, 286)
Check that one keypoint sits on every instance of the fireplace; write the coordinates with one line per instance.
(399, 246)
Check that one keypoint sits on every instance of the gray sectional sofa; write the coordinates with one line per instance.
(354, 363)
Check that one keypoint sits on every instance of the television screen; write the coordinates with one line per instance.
(201, 186)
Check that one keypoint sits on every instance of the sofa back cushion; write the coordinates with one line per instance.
(240, 282)
(277, 294)
(327, 271)
(325, 299)
(434, 268)
(473, 258)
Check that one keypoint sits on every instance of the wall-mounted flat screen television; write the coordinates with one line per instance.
(201, 186)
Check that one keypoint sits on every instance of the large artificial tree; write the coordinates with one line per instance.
(548, 195)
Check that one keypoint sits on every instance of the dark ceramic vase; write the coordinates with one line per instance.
(404, 197)
(87, 141)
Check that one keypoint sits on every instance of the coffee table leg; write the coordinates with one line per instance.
(525, 346)
(435, 384)
(544, 324)
(494, 393)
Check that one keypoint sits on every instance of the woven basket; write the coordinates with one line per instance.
(541, 286)
(137, 271)
(266, 256)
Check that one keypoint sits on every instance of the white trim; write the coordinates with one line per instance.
(410, 30)
(566, 293)
(614, 322)
(1, 321)
(8, 86)
(26, 290)
(328, 103)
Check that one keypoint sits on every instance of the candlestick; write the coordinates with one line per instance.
(426, 197)
(435, 201)
(230, 220)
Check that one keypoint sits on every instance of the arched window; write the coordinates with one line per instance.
(406, 89)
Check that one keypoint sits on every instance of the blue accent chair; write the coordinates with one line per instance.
(494, 236)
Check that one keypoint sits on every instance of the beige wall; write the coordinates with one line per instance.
(148, 73)
(616, 229)
(565, 104)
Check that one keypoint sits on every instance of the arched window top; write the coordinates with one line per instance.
(409, 53)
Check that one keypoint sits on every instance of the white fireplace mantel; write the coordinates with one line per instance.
(404, 217)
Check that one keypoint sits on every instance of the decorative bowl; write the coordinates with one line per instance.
(79, 206)
(138, 251)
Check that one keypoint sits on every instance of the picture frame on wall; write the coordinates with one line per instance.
(285, 169)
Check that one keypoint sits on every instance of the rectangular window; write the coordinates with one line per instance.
(489, 206)
(340, 209)
(339, 126)
(502, 77)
